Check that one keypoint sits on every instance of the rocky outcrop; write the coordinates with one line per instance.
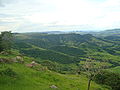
(16, 59)
(4, 60)
(53, 86)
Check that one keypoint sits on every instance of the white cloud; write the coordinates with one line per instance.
(85, 14)
(111, 3)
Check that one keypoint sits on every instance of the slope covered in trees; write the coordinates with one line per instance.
(67, 48)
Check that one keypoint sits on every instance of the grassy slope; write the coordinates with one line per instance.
(30, 79)
(70, 50)
(48, 55)
(115, 69)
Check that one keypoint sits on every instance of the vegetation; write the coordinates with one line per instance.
(50, 61)
(109, 78)
(18, 76)
(5, 40)
(92, 68)
(49, 55)
(67, 48)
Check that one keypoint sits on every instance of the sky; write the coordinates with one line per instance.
(59, 15)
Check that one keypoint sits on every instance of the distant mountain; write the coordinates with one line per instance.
(53, 32)
(105, 33)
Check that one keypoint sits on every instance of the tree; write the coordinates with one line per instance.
(109, 78)
(91, 68)
(5, 40)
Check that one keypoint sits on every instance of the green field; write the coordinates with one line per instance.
(29, 79)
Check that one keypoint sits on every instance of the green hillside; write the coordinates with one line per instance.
(49, 55)
(109, 32)
(47, 61)
(70, 50)
(18, 76)
(67, 48)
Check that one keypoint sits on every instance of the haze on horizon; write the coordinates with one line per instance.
(59, 15)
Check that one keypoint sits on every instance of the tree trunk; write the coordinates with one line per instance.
(89, 82)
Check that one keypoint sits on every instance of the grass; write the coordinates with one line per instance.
(30, 79)
(115, 69)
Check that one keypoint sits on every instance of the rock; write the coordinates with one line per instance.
(4, 53)
(1, 60)
(53, 86)
(29, 65)
(4, 60)
(19, 58)
(34, 63)
(14, 60)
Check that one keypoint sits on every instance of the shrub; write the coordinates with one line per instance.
(109, 78)
(8, 72)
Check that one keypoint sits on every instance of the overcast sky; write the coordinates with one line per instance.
(63, 15)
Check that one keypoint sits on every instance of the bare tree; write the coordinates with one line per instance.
(91, 68)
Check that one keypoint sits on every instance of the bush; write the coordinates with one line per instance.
(8, 72)
(109, 78)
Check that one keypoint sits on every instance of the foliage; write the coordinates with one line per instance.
(5, 40)
(115, 69)
(60, 68)
(109, 78)
(30, 79)
(92, 68)
(63, 52)
(50, 65)
(67, 49)
(8, 72)
(73, 51)
(60, 53)
(49, 55)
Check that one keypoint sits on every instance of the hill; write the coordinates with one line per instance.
(16, 74)
(50, 61)
(110, 32)
(67, 48)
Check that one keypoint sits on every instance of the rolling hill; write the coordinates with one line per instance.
(50, 61)
(15, 75)
(66, 48)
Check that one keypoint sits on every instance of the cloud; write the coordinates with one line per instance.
(111, 3)
(60, 14)
(1, 4)
(4, 2)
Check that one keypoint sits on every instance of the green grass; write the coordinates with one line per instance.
(30, 79)
(116, 69)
